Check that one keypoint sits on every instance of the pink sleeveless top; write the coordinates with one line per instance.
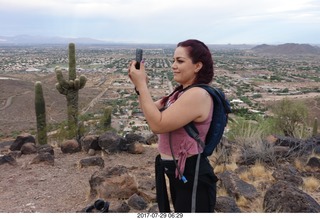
(182, 144)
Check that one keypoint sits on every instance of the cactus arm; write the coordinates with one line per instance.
(83, 81)
(71, 84)
(63, 83)
(77, 84)
(61, 89)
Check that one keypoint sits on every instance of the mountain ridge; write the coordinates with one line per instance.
(287, 49)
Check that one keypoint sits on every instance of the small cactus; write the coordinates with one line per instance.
(70, 88)
(315, 127)
(40, 108)
(105, 120)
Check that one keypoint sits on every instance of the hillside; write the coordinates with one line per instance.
(287, 49)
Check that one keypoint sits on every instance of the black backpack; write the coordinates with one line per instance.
(218, 123)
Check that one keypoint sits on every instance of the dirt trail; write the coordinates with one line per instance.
(64, 187)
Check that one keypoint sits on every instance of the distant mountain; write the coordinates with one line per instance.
(287, 49)
(27, 39)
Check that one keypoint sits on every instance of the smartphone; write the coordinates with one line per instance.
(138, 58)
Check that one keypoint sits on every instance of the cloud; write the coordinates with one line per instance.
(162, 21)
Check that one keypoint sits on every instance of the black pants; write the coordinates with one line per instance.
(181, 193)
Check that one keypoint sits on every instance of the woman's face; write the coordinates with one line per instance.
(184, 71)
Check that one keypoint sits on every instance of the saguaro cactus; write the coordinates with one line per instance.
(40, 107)
(315, 127)
(71, 89)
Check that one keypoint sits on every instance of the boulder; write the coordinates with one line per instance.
(111, 142)
(236, 187)
(137, 202)
(28, 148)
(289, 174)
(152, 139)
(314, 162)
(121, 208)
(132, 138)
(136, 148)
(90, 142)
(92, 161)
(21, 140)
(45, 148)
(226, 204)
(45, 158)
(283, 197)
(7, 159)
(70, 146)
(286, 141)
(115, 182)
(311, 143)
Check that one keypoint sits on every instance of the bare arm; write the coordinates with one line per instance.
(193, 105)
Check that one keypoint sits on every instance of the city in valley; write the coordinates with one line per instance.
(251, 77)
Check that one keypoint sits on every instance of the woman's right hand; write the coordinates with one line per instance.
(137, 76)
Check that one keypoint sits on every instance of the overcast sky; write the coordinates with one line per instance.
(166, 21)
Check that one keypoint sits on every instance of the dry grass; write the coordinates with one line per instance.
(225, 167)
(257, 174)
(242, 202)
(299, 164)
(311, 184)
(221, 191)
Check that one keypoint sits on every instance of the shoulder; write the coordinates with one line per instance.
(197, 92)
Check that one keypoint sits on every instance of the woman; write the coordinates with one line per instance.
(192, 64)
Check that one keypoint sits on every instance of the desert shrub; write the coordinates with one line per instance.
(249, 136)
(290, 116)
(242, 130)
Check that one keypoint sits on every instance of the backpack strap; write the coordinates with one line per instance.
(217, 98)
(190, 128)
(219, 102)
(193, 132)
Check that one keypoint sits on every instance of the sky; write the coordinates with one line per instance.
(166, 21)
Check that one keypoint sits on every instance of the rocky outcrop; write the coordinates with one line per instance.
(136, 190)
